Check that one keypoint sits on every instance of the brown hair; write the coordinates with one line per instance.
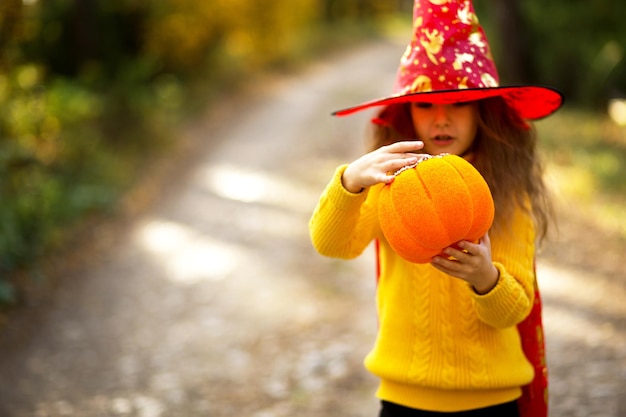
(504, 152)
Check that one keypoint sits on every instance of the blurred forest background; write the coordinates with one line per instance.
(91, 90)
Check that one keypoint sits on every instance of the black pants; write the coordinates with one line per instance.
(503, 410)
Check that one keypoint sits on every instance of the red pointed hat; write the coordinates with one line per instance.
(449, 60)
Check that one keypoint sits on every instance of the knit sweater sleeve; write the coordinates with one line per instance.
(513, 254)
(343, 223)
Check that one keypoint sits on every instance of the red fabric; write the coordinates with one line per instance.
(531, 102)
(534, 399)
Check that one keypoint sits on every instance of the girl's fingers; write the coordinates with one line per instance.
(381, 165)
(387, 179)
(407, 160)
(405, 146)
(394, 167)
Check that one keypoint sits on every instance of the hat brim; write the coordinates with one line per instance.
(531, 102)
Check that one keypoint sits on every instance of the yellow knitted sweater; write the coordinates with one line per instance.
(440, 345)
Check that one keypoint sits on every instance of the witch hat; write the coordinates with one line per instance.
(449, 61)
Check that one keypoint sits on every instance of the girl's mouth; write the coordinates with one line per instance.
(442, 139)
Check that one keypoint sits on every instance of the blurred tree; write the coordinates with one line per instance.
(10, 20)
(88, 89)
(515, 66)
(574, 45)
(84, 38)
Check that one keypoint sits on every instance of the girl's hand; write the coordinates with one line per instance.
(472, 263)
(380, 165)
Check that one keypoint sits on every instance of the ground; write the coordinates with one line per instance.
(208, 300)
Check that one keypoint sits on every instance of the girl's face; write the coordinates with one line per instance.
(445, 128)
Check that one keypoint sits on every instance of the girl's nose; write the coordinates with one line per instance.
(441, 115)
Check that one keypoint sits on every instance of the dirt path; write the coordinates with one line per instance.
(213, 303)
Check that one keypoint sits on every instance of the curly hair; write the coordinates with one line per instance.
(504, 152)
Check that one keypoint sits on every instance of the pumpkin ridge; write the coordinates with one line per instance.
(409, 206)
(467, 189)
(404, 241)
(482, 195)
(429, 195)
(437, 218)
(444, 167)
(424, 186)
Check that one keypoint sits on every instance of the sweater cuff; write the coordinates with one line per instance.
(342, 198)
(506, 304)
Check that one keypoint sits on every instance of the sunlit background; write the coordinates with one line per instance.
(176, 148)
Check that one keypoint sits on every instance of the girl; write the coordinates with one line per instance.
(448, 340)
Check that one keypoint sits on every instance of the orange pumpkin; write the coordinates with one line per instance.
(433, 205)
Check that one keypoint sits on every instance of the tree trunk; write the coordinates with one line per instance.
(514, 58)
(10, 19)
